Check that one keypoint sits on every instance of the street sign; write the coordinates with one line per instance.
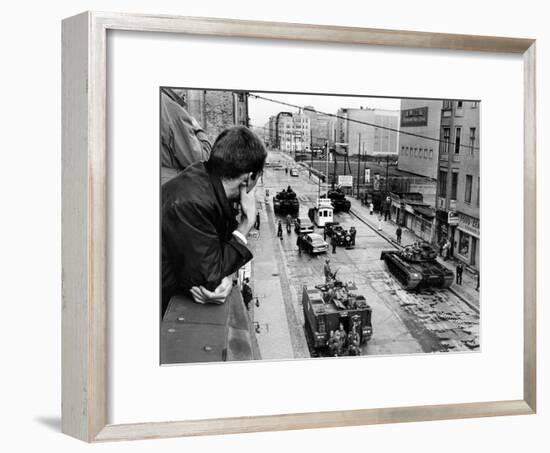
(345, 180)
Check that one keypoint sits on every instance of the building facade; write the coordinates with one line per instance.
(290, 132)
(458, 188)
(378, 137)
(216, 110)
(418, 154)
(320, 127)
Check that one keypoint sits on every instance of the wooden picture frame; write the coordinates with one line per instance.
(84, 351)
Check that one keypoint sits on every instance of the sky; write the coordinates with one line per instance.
(260, 110)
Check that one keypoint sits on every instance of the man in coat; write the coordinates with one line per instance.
(202, 242)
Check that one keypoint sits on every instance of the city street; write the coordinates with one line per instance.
(403, 322)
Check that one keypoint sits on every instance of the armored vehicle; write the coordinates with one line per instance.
(286, 202)
(330, 307)
(415, 266)
(339, 201)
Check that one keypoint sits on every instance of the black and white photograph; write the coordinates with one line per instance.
(316, 225)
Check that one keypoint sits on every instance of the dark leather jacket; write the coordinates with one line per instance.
(198, 247)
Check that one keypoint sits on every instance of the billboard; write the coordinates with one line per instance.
(414, 117)
(345, 180)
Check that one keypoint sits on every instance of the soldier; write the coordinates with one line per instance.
(299, 243)
(280, 230)
(352, 232)
(333, 344)
(353, 342)
(459, 270)
(342, 339)
(333, 242)
(327, 271)
(398, 233)
(246, 293)
(288, 223)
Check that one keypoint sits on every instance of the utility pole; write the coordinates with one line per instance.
(358, 165)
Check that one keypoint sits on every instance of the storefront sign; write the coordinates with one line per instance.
(468, 224)
(414, 117)
(452, 218)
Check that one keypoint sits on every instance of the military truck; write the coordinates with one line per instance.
(286, 202)
(416, 266)
(328, 305)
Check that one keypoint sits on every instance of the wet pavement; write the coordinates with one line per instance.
(404, 322)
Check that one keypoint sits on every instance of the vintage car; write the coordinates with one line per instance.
(302, 225)
(416, 266)
(313, 243)
(286, 202)
(294, 171)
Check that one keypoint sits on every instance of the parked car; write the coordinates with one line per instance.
(294, 172)
(314, 243)
(302, 225)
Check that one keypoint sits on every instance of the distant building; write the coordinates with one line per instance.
(419, 155)
(457, 216)
(216, 110)
(377, 137)
(320, 127)
(290, 132)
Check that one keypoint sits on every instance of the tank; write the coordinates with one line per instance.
(339, 201)
(415, 266)
(331, 304)
(286, 202)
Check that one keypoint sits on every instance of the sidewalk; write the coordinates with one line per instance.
(466, 291)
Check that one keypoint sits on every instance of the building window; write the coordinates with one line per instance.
(472, 140)
(458, 131)
(447, 104)
(446, 139)
(474, 105)
(442, 183)
(463, 243)
(468, 190)
(431, 153)
(425, 153)
(458, 104)
(454, 185)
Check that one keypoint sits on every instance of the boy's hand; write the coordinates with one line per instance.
(202, 296)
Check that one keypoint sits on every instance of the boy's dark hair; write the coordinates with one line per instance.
(237, 150)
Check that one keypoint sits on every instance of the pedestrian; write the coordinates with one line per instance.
(459, 270)
(380, 222)
(246, 292)
(387, 205)
(288, 223)
(333, 242)
(398, 233)
(299, 244)
(352, 233)
(280, 230)
(257, 224)
(286, 170)
(445, 251)
(371, 208)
